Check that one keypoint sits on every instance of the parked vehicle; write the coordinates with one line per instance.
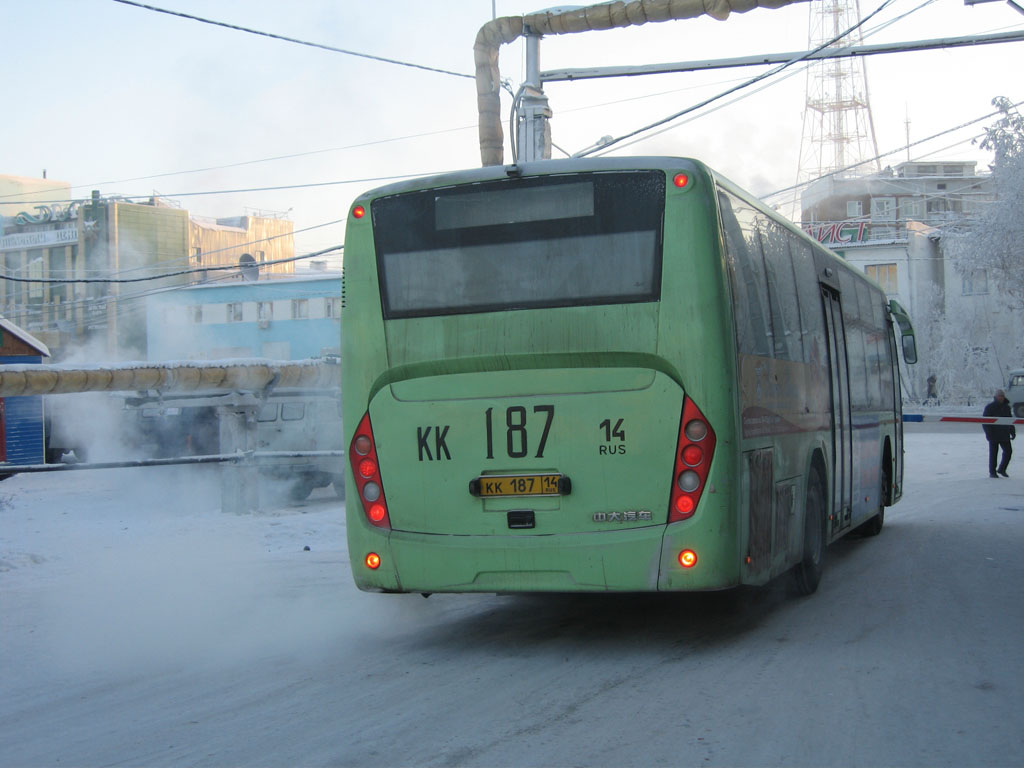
(1015, 392)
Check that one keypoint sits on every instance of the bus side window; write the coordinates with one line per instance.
(855, 349)
(867, 301)
(746, 273)
(782, 292)
(267, 412)
(292, 411)
(812, 328)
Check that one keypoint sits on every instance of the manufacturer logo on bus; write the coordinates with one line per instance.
(629, 516)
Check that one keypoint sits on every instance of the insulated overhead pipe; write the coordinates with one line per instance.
(609, 15)
(188, 376)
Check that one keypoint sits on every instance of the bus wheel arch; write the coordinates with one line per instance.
(807, 572)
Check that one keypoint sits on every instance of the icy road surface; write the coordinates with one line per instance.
(142, 627)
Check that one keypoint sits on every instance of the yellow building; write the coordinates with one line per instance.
(123, 246)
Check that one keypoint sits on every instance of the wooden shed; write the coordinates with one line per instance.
(22, 438)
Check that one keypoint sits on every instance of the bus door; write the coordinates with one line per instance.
(842, 428)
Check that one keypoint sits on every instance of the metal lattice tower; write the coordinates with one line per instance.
(838, 131)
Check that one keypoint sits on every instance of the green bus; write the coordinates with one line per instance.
(611, 374)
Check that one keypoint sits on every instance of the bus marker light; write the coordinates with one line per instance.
(371, 491)
(362, 445)
(689, 481)
(692, 454)
(687, 558)
(373, 561)
(367, 468)
(358, 212)
(377, 512)
(681, 180)
(696, 430)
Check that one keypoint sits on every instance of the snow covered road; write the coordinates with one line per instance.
(141, 626)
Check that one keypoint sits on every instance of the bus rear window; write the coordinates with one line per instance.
(551, 241)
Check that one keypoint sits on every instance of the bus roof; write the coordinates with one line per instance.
(542, 167)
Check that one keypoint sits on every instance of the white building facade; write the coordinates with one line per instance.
(892, 226)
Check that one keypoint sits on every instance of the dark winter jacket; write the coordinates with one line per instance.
(999, 433)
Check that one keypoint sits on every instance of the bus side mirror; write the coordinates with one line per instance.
(910, 349)
(902, 319)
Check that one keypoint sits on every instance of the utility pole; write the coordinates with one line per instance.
(533, 130)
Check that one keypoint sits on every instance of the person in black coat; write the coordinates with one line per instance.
(999, 435)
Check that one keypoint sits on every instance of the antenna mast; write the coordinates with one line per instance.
(838, 130)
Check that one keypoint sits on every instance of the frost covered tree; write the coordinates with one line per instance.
(956, 346)
(995, 241)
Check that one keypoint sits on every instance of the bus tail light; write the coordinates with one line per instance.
(694, 451)
(366, 470)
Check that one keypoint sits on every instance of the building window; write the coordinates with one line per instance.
(883, 209)
(34, 272)
(261, 256)
(332, 307)
(885, 275)
(911, 208)
(300, 309)
(975, 282)
(235, 312)
(197, 257)
(264, 310)
(196, 313)
(854, 209)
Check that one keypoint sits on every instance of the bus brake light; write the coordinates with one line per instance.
(681, 180)
(366, 470)
(694, 451)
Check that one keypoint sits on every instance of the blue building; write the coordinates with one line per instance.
(291, 318)
(22, 434)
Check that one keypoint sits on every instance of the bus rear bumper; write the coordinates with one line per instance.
(633, 560)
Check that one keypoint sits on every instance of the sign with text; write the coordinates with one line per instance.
(838, 231)
(41, 239)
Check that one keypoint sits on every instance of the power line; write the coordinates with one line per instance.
(292, 39)
(890, 152)
(234, 247)
(764, 75)
(128, 198)
(190, 271)
(291, 156)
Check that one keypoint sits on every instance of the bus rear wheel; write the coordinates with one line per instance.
(807, 573)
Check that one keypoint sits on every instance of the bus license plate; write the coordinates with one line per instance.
(498, 486)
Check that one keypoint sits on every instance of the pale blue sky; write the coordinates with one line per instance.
(97, 92)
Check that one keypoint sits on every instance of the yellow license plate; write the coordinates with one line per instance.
(499, 486)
